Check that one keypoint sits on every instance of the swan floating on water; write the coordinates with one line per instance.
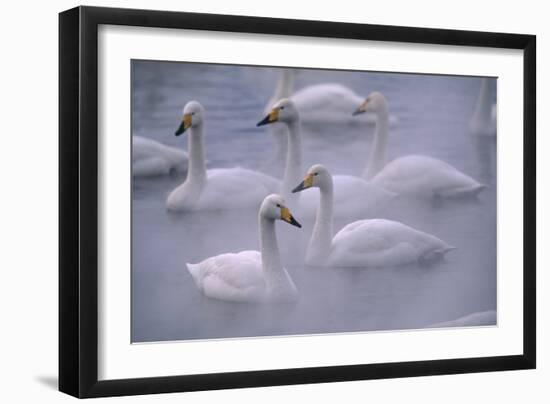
(483, 122)
(151, 158)
(414, 174)
(354, 195)
(250, 276)
(319, 105)
(364, 243)
(471, 320)
(221, 188)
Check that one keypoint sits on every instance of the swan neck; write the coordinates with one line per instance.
(377, 156)
(484, 102)
(197, 162)
(293, 167)
(285, 85)
(269, 249)
(321, 237)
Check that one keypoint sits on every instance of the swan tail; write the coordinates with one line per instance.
(435, 255)
(195, 271)
(463, 192)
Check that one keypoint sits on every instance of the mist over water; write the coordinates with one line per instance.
(433, 114)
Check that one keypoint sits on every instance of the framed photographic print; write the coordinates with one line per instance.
(251, 201)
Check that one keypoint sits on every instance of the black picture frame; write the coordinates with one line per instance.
(78, 201)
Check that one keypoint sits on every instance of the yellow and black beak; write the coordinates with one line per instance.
(361, 108)
(273, 116)
(287, 217)
(184, 125)
(305, 184)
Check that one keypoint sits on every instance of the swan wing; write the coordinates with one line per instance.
(326, 96)
(150, 157)
(427, 176)
(233, 188)
(380, 242)
(233, 276)
(353, 196)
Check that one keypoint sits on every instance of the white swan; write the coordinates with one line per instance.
(222, 188)
(250, 276)
(483, 121)
(410, 175)
(364, 243)
(319, 105)
(151, 158)
(471, 320)
(354, 195)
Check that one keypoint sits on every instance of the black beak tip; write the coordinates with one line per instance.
(295, 223)
(180, 130)
(356, 112)
(264, 121)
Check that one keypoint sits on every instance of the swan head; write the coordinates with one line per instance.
(375, 102)
(193, 113)
(284, 110)
(274, 208)
(317, 176)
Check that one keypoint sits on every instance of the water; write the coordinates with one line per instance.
(433, 113)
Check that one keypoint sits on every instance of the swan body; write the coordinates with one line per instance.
(327, 102)
(411, 175)
(250, 276)
(222, 188)
(151, 158)
(364, 243)
(354, 195)
(471, 320)
(483, 121)
(425, 176)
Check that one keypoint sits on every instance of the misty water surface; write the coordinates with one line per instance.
(433, 113)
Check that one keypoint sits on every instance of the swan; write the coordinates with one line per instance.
(222, 188)
(151, 158)
(354, 195)
(319, 105)
(250, 276)
(414, 174)
(471, 320)
(364, 243)
(483, 121)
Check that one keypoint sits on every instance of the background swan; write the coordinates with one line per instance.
(471, 320)
(319, 105)
(483, 121)
(151, 158)
(364, 243)
(410, 175)
(250, 276)
(222, 188)
(354, 195)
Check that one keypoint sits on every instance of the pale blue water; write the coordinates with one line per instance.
(433, 113)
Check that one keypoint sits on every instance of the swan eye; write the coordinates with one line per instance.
(281, 107)
(315, 173)
(278, 205)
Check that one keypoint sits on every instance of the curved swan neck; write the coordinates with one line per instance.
(377, 156)
(321, 237)
(269, 249)
(293, 167)
(197, 163)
